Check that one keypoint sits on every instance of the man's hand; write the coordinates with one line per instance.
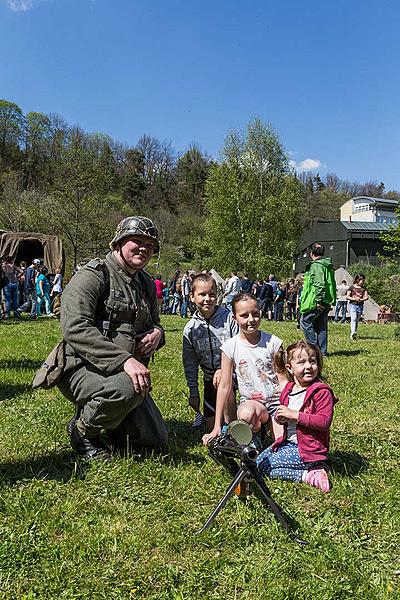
(148, 344)
(284, 414)
(194, 402)
(139, 374)
(321, 306)
(207, 437)
(217, 378)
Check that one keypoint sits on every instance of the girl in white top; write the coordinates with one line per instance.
(250, 355)
(57, 284)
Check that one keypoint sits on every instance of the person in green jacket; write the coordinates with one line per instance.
(111, 326)
(319, 292)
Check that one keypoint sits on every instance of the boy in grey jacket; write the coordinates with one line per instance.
(203, 336)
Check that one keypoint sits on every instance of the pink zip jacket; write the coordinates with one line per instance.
(315, 417)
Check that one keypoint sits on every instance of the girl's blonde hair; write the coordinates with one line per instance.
(283, 357)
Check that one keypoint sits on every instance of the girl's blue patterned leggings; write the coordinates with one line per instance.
(285, 463)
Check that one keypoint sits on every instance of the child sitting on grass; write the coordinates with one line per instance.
(250, 356)
(305, 411)
(203, 335)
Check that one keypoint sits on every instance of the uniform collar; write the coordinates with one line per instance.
(115, 265)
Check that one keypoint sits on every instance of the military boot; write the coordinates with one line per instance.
(90, 448)
(71, 422)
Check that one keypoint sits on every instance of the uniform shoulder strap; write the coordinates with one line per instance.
(99, 265)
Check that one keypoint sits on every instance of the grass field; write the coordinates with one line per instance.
(126, 530)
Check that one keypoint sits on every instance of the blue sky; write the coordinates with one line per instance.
(324, 74)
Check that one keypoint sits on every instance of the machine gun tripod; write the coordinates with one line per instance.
(232, 451)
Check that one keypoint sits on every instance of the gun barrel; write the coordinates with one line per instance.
(244, 453)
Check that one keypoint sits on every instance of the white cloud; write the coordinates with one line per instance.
(308, 164)
(20, 5)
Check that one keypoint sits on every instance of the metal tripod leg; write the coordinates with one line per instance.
(277, 511)
(241, 474)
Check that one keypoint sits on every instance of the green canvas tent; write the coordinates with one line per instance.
(27, 246)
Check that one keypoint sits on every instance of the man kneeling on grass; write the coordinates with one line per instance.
(111, 324)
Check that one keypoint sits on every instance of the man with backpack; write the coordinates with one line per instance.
(110, 323)
(319, 292)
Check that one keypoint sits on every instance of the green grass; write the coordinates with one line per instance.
(127, 529)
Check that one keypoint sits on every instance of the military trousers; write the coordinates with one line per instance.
(110, 402)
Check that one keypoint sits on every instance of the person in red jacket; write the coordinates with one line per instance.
(305, 411)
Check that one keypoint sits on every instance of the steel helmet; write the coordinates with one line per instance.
(135, 226)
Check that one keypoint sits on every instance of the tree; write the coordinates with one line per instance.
(191, 174)
(253, 204)
(11, 131)
(37, 139)
(81, 208)
(321, 200)
(159, 164)
(392, 237)
(132, 182)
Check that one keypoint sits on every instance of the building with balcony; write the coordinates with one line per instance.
(370, 210)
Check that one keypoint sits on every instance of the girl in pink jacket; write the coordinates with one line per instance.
(305, 411)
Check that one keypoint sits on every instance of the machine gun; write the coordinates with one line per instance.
(232, 451)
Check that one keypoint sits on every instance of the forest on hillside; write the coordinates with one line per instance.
(244, 211)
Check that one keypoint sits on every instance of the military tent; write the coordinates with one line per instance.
(27, 246)
(217, 277)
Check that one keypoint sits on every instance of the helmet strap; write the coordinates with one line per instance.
(129, 268)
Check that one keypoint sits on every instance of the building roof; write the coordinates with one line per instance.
(377, 200)
(366, 226)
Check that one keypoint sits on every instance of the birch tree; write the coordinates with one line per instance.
(253, 204)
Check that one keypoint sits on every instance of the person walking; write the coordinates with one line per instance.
(319, 292)
(43, 288)
(232, 289)
(357, 294)
(185, 288)
(341, 303)
(30, 303)
(10, 290)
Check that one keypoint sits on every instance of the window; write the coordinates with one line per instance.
(361, 207)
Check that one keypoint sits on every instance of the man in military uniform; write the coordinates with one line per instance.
(111, 324)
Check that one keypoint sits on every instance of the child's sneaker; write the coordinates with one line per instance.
(199, 421)
(318, 479)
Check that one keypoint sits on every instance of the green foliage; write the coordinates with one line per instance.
(382, 281)
(321, 200)
(11, 131)
(126, 530)
(191, 173)
(392, 238)
(252, 205)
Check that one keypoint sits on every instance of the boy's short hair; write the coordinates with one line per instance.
(204, 278)
(318, 249)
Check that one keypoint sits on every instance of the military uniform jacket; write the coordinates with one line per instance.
(104, 313)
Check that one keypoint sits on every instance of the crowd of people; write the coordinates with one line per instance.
(111, 329)
(27, 289)
(278, 300)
